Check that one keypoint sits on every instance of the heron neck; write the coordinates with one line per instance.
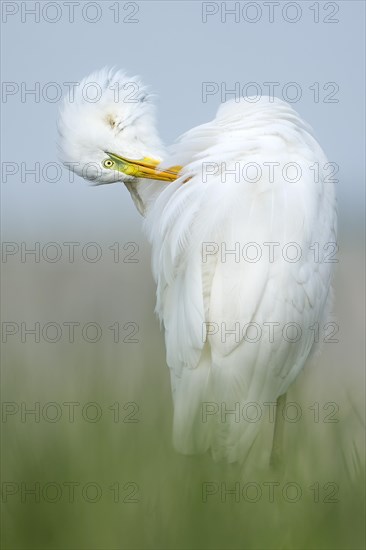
(144, 192)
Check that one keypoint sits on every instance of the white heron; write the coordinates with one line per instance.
(235, 214)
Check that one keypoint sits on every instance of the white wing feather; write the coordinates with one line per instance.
(231, 371)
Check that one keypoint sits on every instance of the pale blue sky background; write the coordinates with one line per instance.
(174, 52)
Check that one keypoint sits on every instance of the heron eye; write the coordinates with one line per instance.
(108, 163)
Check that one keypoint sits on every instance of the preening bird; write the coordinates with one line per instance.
(240, 213)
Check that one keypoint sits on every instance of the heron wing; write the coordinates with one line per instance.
(232, 300)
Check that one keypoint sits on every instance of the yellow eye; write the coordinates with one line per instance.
(108, 163)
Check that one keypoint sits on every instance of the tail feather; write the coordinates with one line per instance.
(208, 414)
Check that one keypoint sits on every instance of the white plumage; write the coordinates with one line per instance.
(191, 293)
(213, 202)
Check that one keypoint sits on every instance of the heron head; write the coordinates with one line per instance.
(107, 130)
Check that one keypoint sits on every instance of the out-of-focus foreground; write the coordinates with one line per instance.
(87, 413)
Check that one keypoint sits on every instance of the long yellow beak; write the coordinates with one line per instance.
(141, 168)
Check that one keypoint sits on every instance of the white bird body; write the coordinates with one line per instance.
(223, 292)
(203, 291)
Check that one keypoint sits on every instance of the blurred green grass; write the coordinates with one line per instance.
(170, 511)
